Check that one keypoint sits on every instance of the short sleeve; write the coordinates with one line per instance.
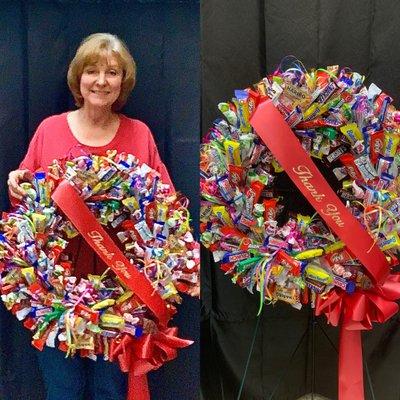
(156, 163)
(32, 159)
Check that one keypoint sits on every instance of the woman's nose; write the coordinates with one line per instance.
(101, 78)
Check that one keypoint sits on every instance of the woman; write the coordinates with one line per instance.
(100, 77)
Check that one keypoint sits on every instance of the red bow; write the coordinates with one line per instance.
(357, 312)
(139, 356)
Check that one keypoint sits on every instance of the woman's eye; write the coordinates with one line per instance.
(90, 71)
(113, 72)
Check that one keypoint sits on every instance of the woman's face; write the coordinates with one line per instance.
(100, 83)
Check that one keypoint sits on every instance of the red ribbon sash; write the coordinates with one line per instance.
(277, 135)
(68, 200)
(356, 312)
(350, 370)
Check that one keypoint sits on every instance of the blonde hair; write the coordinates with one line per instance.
(90, 51)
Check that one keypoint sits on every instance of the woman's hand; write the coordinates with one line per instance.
(15, 178)
(194, 291)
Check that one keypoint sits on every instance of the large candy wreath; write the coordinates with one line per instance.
(122, 314)
(340, 258)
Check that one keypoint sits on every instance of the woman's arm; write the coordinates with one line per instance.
(32, 159)
(156, 162)
(28, 165)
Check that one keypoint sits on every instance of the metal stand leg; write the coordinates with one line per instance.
(313, 375)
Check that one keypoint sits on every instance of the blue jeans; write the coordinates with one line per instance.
(80, 378)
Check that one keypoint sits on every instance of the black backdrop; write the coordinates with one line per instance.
(37, 41)
(240, 42)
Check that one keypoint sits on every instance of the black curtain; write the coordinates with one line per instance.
(294, 354)
(37, 41)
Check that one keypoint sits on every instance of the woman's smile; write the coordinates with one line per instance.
(100, 92)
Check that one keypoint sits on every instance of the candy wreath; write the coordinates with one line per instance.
(99, 315)
(276, 127)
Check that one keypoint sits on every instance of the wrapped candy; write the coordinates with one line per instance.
(148, 221)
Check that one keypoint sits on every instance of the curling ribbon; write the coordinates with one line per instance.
(156, 348)
(357, 311)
